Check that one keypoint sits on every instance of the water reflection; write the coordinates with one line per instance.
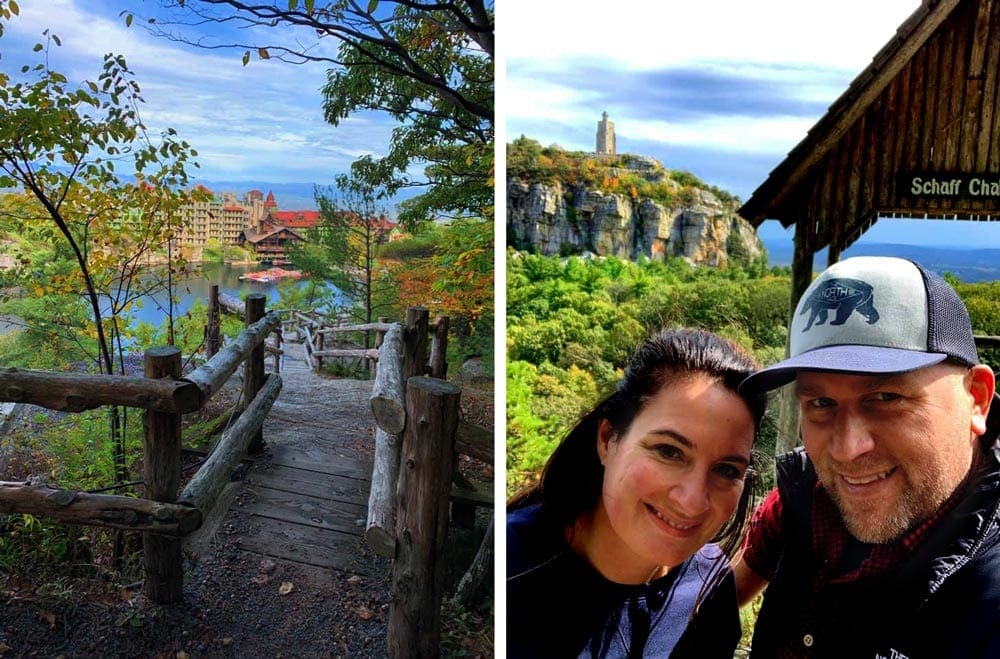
(196, 285)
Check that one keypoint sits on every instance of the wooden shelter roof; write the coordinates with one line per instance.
(928, 103)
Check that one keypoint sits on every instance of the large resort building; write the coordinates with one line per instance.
(253, 221)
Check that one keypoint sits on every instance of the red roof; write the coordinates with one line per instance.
(296, 219)
(270, 200)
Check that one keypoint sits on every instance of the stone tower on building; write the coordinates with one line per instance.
(606, 136)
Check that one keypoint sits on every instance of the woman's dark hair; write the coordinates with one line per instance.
(573, 477)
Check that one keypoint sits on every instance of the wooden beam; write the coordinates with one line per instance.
(981, 31)
(204, 487)
(438, 360)
(380, 529)
(213, 374)
(361, 353)
(253, 366)
(388, 400)
(105, 510)
(366, 327)
(845, 111)
(474, 441)
(76, 392)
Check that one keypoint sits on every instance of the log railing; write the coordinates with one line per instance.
(418, 424)
(164, 516)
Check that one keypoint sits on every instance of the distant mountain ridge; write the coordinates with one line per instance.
(968, 264)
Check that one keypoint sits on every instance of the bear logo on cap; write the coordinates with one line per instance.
(845, 296)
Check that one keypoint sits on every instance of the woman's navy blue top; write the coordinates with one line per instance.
(558, 605)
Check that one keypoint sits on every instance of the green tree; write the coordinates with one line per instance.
(60, 144)
(427, 64)
(342, 247)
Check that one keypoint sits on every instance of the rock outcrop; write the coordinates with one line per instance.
(554, 218)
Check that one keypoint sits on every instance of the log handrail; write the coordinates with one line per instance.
(76, 392)
(474, 441)
(362, 353)
(106, 510)
(210, 376)
(388, 400)
(983, 341)
(364, 327)
(204, 487)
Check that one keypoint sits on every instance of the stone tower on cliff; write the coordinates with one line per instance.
(606, 135)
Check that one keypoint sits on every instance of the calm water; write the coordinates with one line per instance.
(197, 284)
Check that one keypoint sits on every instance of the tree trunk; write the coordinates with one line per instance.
(480, 570)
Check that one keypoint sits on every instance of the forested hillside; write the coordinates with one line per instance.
(572, 323)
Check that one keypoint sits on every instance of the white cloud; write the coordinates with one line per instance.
(795, 56)
(263, 121)
(650, 35)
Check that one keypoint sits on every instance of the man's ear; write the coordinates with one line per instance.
(981, 385)
(605, 435)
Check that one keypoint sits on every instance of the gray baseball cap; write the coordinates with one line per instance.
(873, 315)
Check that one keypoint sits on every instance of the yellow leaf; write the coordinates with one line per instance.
(285, 588)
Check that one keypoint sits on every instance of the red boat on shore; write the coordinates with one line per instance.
(271, 274)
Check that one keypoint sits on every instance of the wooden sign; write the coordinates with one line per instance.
(938, 185)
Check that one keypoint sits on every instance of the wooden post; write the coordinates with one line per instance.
(439, 349)
(212, 339)
(415, 342)
(161, 450)
(379, 337)
(380, 528)
(802, 267)
(277, 350)
(319, 347)
(253, 367)
(414, 626)
(380, 334)
(388, 399)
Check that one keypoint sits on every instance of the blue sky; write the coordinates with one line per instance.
(721, 88)
(253, 125)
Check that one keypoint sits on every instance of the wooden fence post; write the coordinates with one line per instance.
(253, 368)
(439, 349)
(428, 445)
(161, 450)
(415, 342)
(212, 340)
(379, 337)
(319, 346)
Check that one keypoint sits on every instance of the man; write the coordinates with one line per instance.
(881, 539)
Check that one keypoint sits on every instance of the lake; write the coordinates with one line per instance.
(196, 285)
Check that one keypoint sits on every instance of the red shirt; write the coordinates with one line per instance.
(830, 539)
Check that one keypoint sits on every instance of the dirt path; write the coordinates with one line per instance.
(237, 602)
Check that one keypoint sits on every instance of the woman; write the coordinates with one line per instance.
(608, 555)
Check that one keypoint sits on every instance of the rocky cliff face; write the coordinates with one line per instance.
(554, 218)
